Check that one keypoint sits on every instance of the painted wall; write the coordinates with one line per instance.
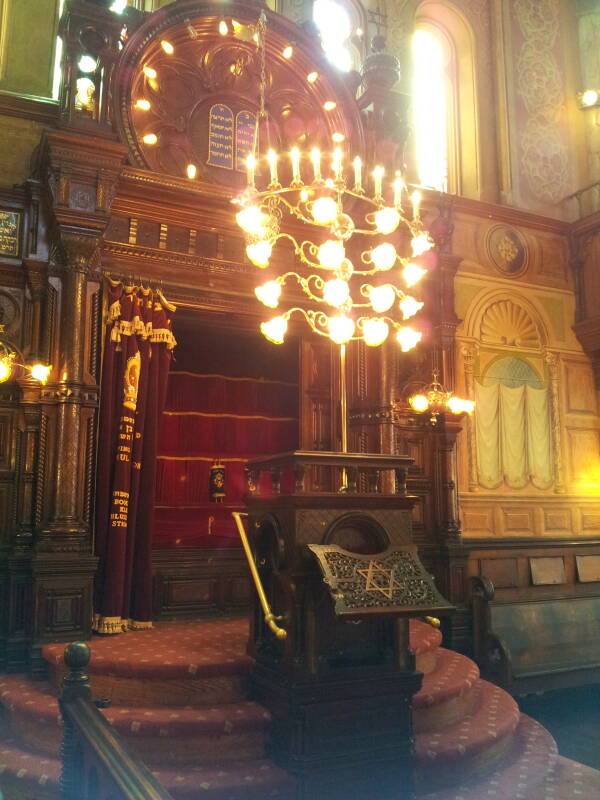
(27, 46)
(27, 53)
(515, 299)
(589, 54)
(531, 135)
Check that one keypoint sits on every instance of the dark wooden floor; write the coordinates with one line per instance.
(573, 718)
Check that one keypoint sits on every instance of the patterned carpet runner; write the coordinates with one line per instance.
(179, 699)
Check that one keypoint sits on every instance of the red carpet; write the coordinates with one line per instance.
(178, 697)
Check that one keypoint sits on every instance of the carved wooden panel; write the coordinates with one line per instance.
(190, 591)
(117, 229)
(547, 571)
(177, 124)
(588, 568)
(478, 522)
(6, 427)
(544, 516)
(6, 496)
(583, 449)
(557, 521)
(581, 393)
(517, 523)
(503, 572)
(148, 233)
(590, 521)
(66, 609)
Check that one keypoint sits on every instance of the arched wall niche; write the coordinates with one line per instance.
(498, 307)
(206, 68)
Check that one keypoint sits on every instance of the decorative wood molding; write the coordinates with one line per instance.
(34, 109)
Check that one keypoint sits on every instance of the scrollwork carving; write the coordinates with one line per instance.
(210, 69)
(78, 250)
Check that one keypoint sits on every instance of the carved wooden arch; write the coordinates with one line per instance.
(478, 315)
(207, 68)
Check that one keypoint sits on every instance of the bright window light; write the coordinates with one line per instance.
(335, 28)
(56, 78)
(430, 110)
(119, 6)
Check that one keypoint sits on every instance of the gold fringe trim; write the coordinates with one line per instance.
(136, 625)
(114, 311)
(135, 327)
(229, 378)
(114, 625)
(162, 335)
(108, 624)
(228, 416)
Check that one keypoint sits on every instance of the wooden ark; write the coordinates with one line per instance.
(100, 200)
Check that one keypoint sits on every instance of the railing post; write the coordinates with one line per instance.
(75, 685)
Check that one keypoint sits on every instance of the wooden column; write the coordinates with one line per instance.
(79, 173)
(67, 498)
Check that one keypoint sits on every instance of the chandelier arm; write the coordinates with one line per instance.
(311, 318)
(305, 284)
(293, 209)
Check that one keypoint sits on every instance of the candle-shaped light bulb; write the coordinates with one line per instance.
(398, 188)
(315, 157)
(337, 164)
(295, 156)
(272, 159)
(357, 164)
(377, 179)
(415, 199)
(250, 167)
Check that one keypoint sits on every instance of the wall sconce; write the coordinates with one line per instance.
(39, 372)
(590, 98)
(436, 400)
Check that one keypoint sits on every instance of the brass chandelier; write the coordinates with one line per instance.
(344, 301)
(436, 400)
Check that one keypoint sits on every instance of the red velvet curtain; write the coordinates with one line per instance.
(137, 355)
(208, 418)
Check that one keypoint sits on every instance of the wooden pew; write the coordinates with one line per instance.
(529, 645)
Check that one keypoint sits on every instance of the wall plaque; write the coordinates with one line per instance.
(10, 229)
(220, 136)
(547, 571)
(245, 135)
(588, 568)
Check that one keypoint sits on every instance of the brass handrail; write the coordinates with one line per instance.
(270, 618)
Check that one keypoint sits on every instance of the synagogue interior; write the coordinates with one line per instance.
(299, 399)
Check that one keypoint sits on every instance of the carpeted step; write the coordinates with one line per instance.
(189, 663)
(471, 745)
(445, 696)
(214, 733)
(27, 774)
(424, 642)
(250, 780)
(173, 664)
(531, 760)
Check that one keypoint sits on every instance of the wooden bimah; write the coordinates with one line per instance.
(341, 577)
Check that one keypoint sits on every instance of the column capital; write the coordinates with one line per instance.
(78, 250)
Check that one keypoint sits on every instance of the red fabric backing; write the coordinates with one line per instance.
(213, 416)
